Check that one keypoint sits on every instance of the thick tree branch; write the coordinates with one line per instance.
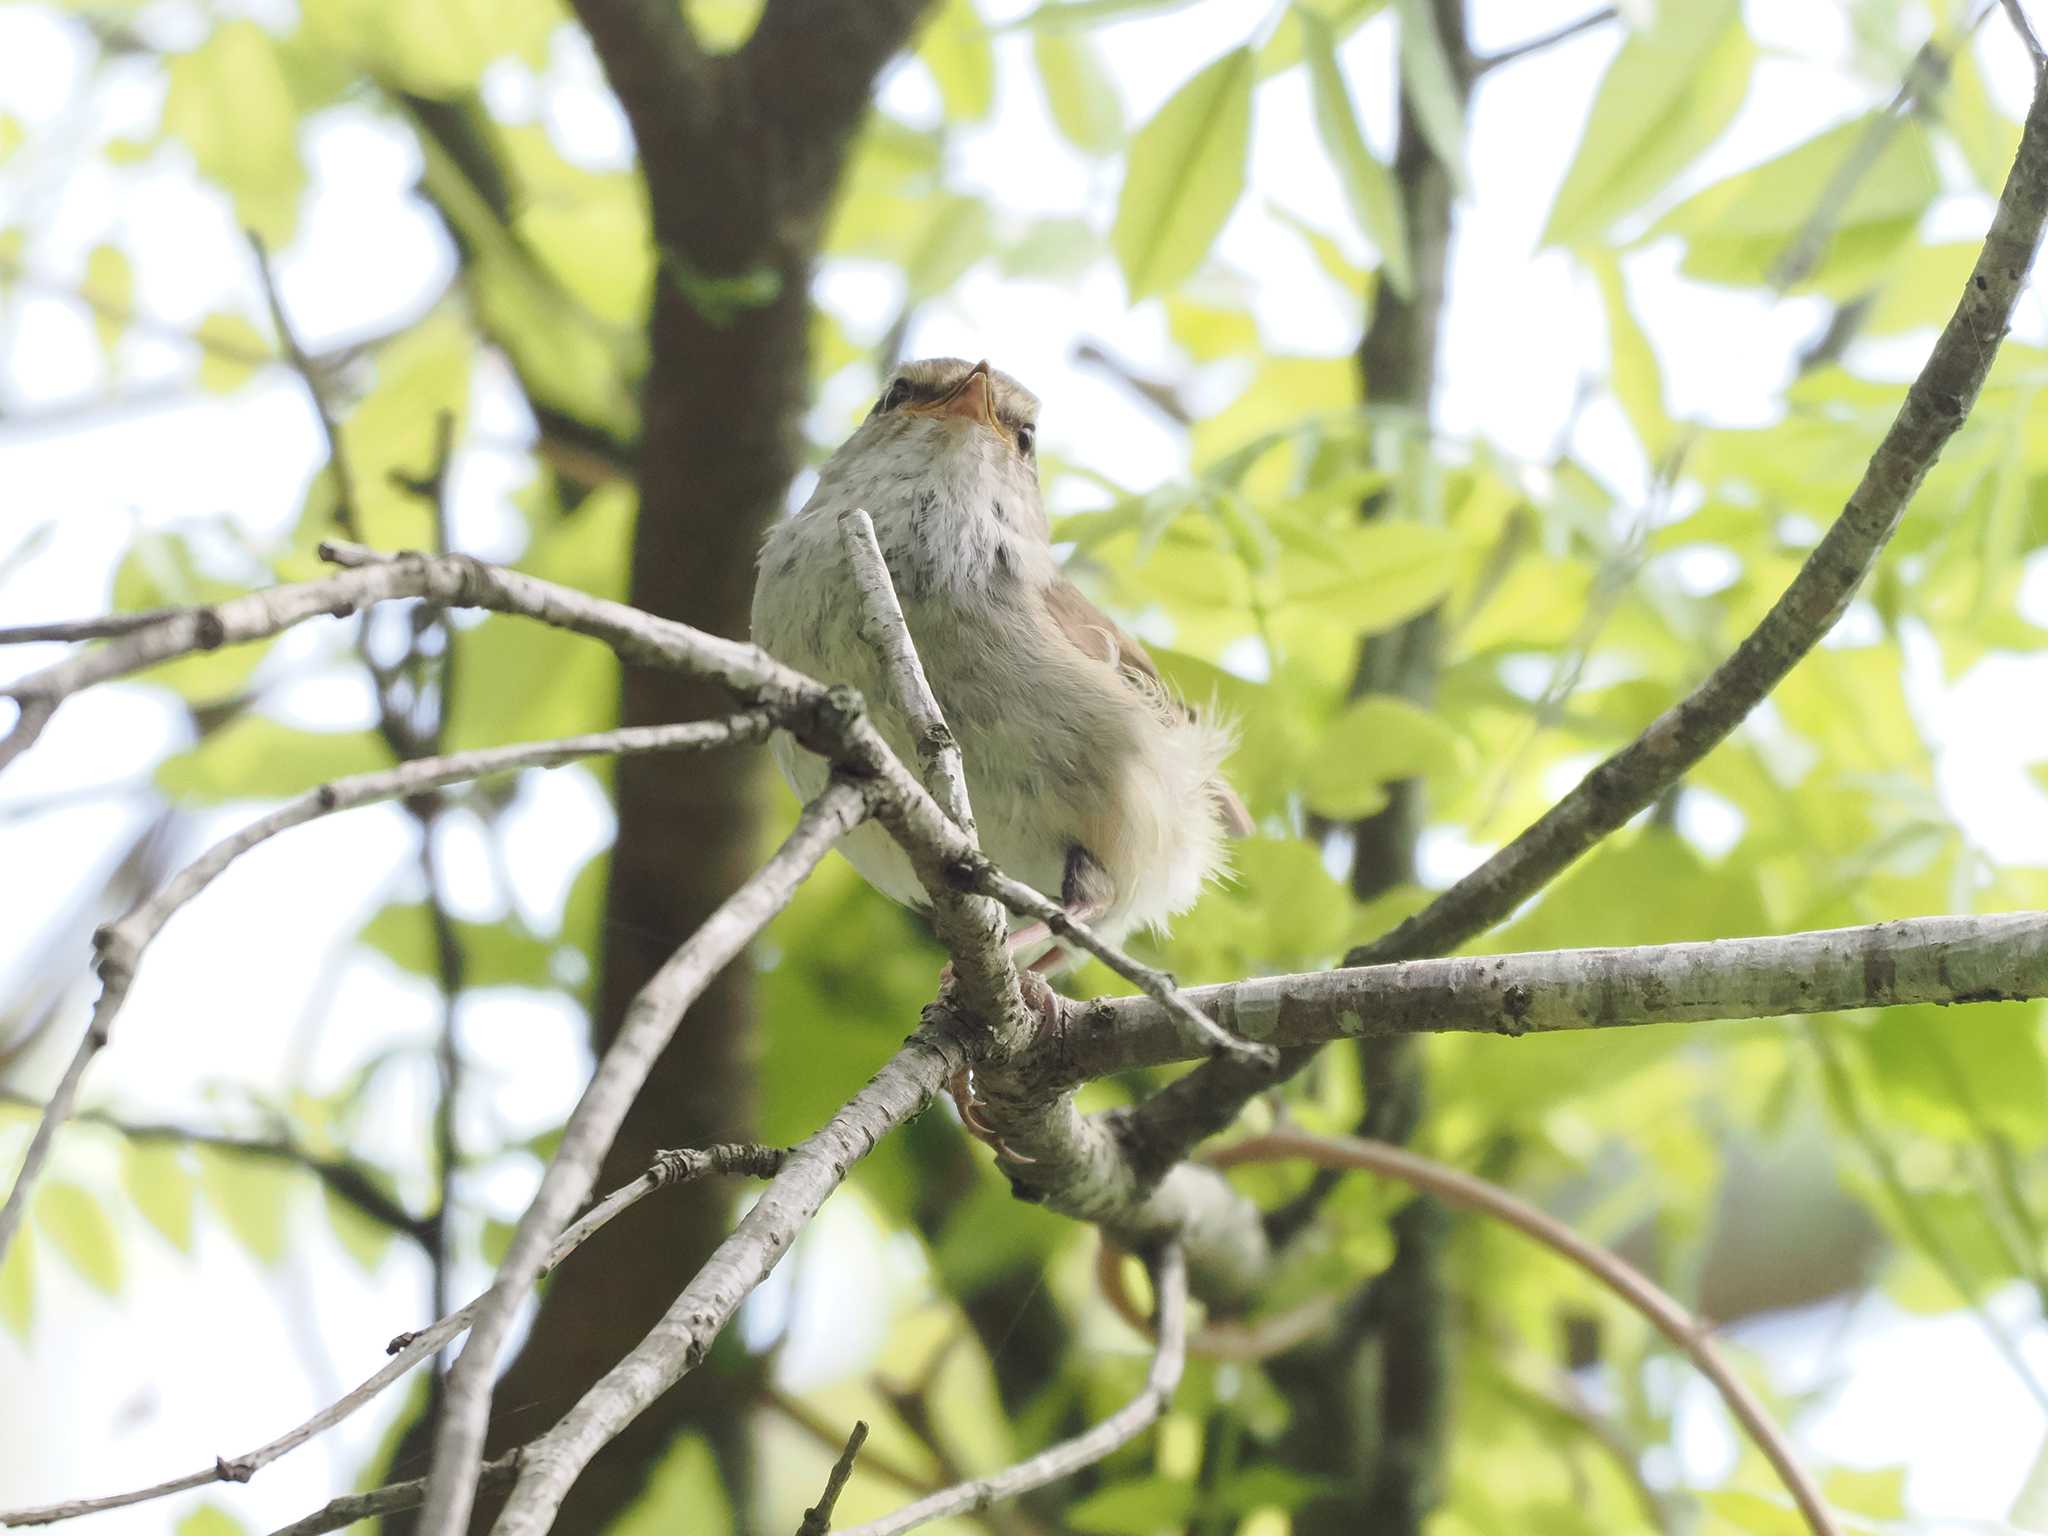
(409, 1349)
(1170, 1278)
(1997, 958)
(658, 71)
(1617, 1274)
(649, 1025)
(679, 1342)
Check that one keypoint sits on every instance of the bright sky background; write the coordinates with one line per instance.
(213, 1355)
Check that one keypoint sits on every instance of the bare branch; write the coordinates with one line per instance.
(814, 1423)
(409, 1349)
(121, 944)
(344, 478)
(1563, 34)
(1997, 958)
(85, 629)
(2016, 13)
(678, 1343)
(1663, 1313)
(817, 1519)
(649, 1024)
(343, 1179)
(1084, 1450)
(971, 927)
(339, 1514)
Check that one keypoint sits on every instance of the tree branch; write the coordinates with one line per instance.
(1170, 1278)
(817, 1519)
(657, 69)
(409, 1349)
(678, 1343)
(343, 1179)
(345, 517)
(1997, 958)
(1563, 34)
(1629, 1283)
(121, 945)
(649, 1025)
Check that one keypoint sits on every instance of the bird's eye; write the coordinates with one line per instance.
(897, 392)
(1027, 440)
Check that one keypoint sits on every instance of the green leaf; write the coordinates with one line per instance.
(1670, 92)
(1081, 94)
(231, 104)
(251, 1195)
(1142, 1506)
(684, 1492)
(18, 1284)
(162, 569)
(500, 954)
(1633, 373)
(257, 758)
(110, 290)
(2030, 1507)
(154, 1175)
(365, 1240)
(956, 49)
(1738, 230)
(210, 1520)
(1184, 173)
(231, 350)
(1430, 86)
(72, 1219)
(1368, 185)
(1375, 742)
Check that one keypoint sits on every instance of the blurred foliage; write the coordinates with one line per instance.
(1574, 610)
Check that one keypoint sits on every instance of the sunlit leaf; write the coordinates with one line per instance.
(1379, 739)
(1368, 185)
(1669, 93)
(955, 48)
(252, 1196)
(110, 290)
(1429, 85)
(78, 1227)
(500, 954)
(210, 1519)
(257, 758)
(231, 349)
(1186, 170)
(18, 1284)
(1081, 93)
(155, 1178)
(230, 103)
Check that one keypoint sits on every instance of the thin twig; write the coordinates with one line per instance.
(1565, 33)
(343, 1179)
(409, 1349)
(85, 629)
(339, 1514)
(814, 1423)
(1170, 1279)
(344, 478)
(817, 1519)
(2016, 13)
(1455, 1187)
(121, 944)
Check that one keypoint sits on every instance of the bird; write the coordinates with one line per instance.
(1091, 780)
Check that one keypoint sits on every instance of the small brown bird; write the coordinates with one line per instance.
(1089, 778)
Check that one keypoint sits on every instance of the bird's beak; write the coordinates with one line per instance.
(970, 399)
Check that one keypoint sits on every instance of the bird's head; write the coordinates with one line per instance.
(938, 400)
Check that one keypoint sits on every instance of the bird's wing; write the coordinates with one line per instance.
(1094, 633)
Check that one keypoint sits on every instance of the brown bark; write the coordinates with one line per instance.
(741, 156)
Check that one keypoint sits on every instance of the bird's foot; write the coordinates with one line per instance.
(1041, 1000)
